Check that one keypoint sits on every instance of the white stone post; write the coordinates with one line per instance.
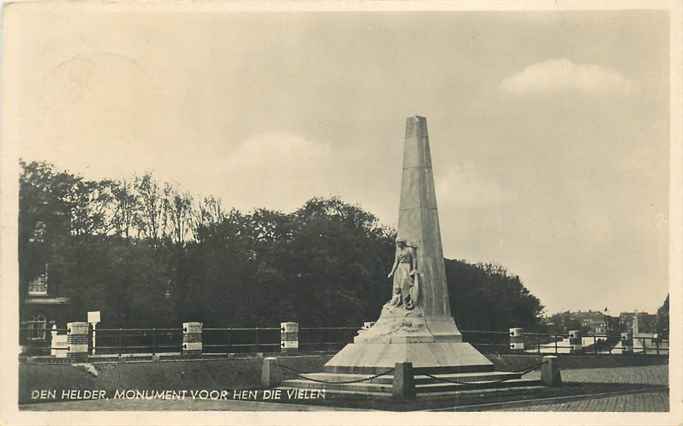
(289, 337)
(192, 339)
(53, 340)
(59, 346)
(77, 340)
(517, 339)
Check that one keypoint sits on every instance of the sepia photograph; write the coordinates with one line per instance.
(347, 209)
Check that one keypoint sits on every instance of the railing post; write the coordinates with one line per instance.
(517, 339)
(59, 347)
(192, 339)
(53, 340)
(627, 342)
(595, 345)
(120, 341)
(77, 339)
(256, 343)
(94, 338)
(550, 371)
(403, 386)
(575, 341)
(289, 337)
(229, 341)
(154, 341)
(555, 339)
(271, 375)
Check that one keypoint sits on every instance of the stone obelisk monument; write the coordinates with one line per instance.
(416, 325)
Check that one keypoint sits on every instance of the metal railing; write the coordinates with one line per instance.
(214, 339)
(138, 340)
(241, 339)
(327, 339)
(554, 344)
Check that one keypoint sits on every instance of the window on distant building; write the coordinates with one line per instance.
(37, 327)
(38, 286)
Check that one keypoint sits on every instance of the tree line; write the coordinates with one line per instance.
(147, 254)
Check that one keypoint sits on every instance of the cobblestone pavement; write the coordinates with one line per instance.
(654, 401)
(646, 375)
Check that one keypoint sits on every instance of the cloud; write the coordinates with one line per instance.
(563, 75)
(465, 187)
(278, 169)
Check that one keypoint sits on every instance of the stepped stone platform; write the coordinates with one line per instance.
(457, 382)
(439, 389)
(430, 393)
(472, 392)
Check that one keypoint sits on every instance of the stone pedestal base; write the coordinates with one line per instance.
(400, 335)
(437, 357)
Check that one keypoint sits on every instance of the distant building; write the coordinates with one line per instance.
(42, 307)
(643, 329)
(42, 303)
(593, 322)
(597, 322)
(638, 322)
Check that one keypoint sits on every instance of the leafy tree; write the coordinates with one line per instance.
(488, 297)
(663, 318)
(148, 255)
(127, 208)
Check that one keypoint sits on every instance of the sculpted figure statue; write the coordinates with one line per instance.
(404, 272)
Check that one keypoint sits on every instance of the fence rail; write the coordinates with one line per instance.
(555, 344)
(37, 341)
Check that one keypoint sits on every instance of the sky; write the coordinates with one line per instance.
(549, 130)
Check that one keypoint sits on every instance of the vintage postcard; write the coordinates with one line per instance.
(341, 212)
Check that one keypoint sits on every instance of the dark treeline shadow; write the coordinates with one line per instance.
(148, 255)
